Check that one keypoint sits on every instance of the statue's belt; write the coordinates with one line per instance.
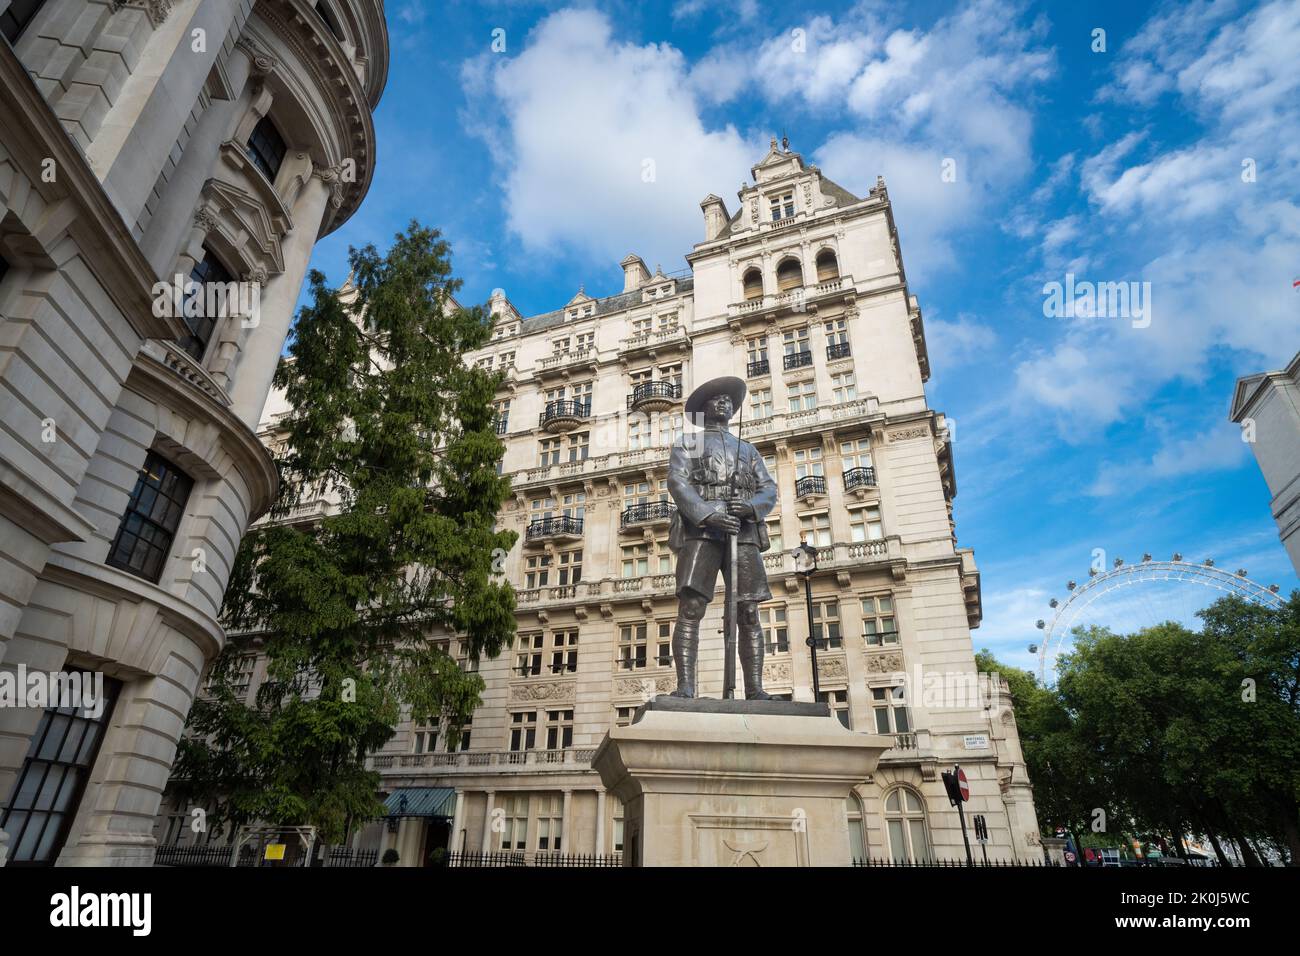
(724, 491)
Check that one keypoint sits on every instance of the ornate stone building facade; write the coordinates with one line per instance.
(215, 140)
(801, 292)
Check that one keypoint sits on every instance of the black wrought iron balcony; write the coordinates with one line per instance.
(553, 527)
(859, 478)
(837, 350)
(500, 425)
(755, 369)
(648, 511)
(812, 485)
(563, 414)
(797, 360)
(654, 395)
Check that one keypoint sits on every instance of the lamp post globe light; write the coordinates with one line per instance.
(805, 563)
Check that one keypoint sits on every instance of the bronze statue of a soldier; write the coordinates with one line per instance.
(723, 495)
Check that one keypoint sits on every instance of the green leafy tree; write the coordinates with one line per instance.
(387, 417)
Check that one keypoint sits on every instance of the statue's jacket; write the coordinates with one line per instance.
(700, 479)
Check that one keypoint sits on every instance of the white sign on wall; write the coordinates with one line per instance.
(976, 742)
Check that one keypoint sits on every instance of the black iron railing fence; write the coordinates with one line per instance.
(761, 367)
(859, 478)
(647, 511)
(546, 527)
(812, 485)
(797, 360)
(837, 350)
(564, 408)
(649, 390)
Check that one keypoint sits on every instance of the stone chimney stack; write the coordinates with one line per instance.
(635, 274)
(715, 217)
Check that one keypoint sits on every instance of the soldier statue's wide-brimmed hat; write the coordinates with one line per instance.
(726, 384)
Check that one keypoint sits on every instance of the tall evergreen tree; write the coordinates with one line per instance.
(386, 417)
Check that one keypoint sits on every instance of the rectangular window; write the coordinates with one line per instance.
(839, 701)
(16, 18)
(461, 743)
(760, 403)
(538, 571)
(843, 387)
(523, 730)
(548, 452)
(664, 647)
(145, 535)
(879, 626)
(636, 560)
(559, 347)
(425, 738)
(671, 426)
(865, 525)
(584, 341)
(889, 705)
(808, 462)
(579, 444)
(623, 716)
(559, 729)
(632, 646)
(564, 652)
(568, 569)
(803, 396)
(574, 505)
(550, 821)
(48, 790)
(782, 206)
(794, 341)
(776, 634)
(638, 432)
(528, 662)
(816, 529)
(515, 834)
(266, 148)
(642, 326)
(774, 535)
(837, 332)
(757, 349)
(207, 274)
(856, 453)
(826, 624)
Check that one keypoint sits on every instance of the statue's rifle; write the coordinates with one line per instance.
(731, 626)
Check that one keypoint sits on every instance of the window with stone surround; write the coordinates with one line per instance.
(826, 624)
(568, 567)
(632, 643)
(839, 701)
(879, 626)
(564, 651)
(808, 462)
(760, 403)
(664, 646)
(776, 545)
(752, 284)
(781, 205)
(424, 738)
(803, 396)
(579, 446)
(837, 331)
(559, 729)
(844, 387)
(515, 834)
(548, 452)
(523, 730)
(538, 571)
(905, 826)
(460, 742)
(794, 341)
(207, 274)
(776, 632)
(865, 524)
(528, 659)
(550, 821)
(623, 716)
(889, 707)
(144, 537)
(856, 453)
(266, 148)
(828, 266)
(816, 528)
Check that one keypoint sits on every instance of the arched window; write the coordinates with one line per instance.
(753, 282)
(827, 265)
(909, 840)
(789, 275)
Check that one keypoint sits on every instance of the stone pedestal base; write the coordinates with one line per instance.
(735, 783)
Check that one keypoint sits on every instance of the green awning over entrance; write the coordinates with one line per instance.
(421, 802)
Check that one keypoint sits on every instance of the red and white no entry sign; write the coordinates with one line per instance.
(962, 785)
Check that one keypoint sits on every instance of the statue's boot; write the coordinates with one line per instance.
(751, 662)
(686, 641)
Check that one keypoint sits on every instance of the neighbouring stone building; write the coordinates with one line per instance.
(1267, 407)
(216, 140)
(801, 292)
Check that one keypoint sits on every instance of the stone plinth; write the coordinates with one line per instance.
(735, 783)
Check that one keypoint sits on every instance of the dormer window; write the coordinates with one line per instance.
(266, 148)
(782, 206)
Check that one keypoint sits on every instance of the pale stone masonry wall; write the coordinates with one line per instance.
(700, 325)
(1268, 404)
(123, 132)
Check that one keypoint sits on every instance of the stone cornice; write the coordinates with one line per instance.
(32, 133)
(152, 379)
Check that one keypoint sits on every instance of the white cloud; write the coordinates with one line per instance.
(956, 343)
(1218, 448)
(600, 143)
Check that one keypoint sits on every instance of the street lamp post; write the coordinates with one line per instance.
(805, 562)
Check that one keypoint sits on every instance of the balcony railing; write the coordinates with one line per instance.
(904, 741)
(755, 369)
(654, 394)
(812, 485)
(500, 425)
(837, 350)
(797, 360)
(648, 511)
(561, 360)
(563, 411)
(859, 478)
(551, 527)
(483, 761)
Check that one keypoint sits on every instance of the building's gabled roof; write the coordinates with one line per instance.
(606, 306)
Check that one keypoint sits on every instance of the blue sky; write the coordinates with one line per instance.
(1117, 165)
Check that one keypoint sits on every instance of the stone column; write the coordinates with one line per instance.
(600, 822)
(565, 835)
(261, 349)
(458, 817)
(487, 820)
